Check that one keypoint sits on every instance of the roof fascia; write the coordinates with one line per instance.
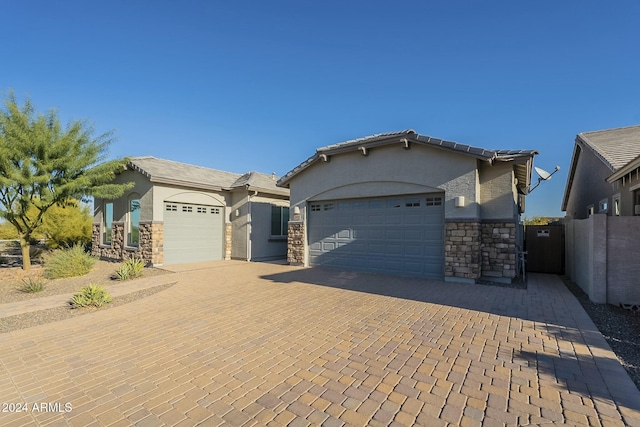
(577, 148)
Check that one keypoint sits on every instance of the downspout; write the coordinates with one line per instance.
(249, 196)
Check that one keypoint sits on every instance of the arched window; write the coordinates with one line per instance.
(107, 220)
(133, 226)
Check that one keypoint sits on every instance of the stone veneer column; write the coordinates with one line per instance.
(295, 243)
(151, 245)
(462, 249)
(499, 250)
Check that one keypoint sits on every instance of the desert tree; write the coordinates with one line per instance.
(43, 164)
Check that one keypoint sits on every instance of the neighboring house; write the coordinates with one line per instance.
(180, 213)
(408, 204)
(604, 174)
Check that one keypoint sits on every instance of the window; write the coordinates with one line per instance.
(187, 208)
(603, 206)
(394, 203)
(215, 211)
(279, 220)
(615, 202)
(107, 223)
(636, 202)
(434, 201)
(589, 210)
(412, 203)
(328, 206)
(133, 233)
(315, 207)
(201, 209)
(171, 208)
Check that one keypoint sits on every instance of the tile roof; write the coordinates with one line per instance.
(615, 147)
(176, 173)
(411, 136)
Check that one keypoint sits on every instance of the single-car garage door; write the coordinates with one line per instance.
(398, 235)
(192, 233)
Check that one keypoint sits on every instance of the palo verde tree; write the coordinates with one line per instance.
(42, 165)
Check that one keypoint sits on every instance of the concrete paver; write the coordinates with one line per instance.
(235, 343)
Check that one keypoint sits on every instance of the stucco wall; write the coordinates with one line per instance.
(142, 188)
(589, 185)
(392, 170)
(263, 245)
(238, 215)
(162, 193)
(497, 191)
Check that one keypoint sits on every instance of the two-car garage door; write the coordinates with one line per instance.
(192, 233)
(397, 235)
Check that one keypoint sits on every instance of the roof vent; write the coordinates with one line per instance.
(273, 176)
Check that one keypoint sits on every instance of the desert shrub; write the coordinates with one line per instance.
(90, 296)
(67, 263)
(130, 269)
(32, 285)
(65, 226)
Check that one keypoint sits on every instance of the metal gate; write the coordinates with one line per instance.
(544, 245)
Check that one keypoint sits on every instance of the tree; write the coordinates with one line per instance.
(43, 165)
(536, 220)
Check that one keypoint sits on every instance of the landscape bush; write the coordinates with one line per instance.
(91, 295)
(32, 285)
(70, 262)
(130, 269)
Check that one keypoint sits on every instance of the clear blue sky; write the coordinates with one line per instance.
(258, 85)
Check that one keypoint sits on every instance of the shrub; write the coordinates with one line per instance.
(68, 263)
(130, 269)
(90, 296)
(32, 285)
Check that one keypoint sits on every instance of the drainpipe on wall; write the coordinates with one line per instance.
(249, 220)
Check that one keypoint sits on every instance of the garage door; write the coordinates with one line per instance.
(395, 235)
(192, 233)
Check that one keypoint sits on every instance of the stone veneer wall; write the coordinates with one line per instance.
(295, 243)
(499, 249)
(150, 248)
(462, 249)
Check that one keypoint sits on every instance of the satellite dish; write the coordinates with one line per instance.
(543, 173)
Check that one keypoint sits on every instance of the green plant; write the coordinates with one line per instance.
(130, 269)
(67, 263)
(32, 285)
(90, 296)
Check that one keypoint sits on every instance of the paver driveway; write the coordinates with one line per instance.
(262, 344)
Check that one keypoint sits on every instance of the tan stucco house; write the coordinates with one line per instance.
(604, 176)
(409, 204)
(180, 213)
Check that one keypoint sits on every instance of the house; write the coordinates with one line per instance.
(602, 225)
(179, 213)
(409, 204)
(603, 176)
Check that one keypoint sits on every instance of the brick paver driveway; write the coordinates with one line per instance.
(261, 344)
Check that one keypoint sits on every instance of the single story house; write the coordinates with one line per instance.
(409, 204)
(604, 174)
(179, 213)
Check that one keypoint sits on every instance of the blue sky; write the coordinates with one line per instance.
(255, 85)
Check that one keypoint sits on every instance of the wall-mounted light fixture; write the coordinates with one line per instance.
(459, 202)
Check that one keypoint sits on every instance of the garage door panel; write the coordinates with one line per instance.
(391, 235)
(192, 233)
